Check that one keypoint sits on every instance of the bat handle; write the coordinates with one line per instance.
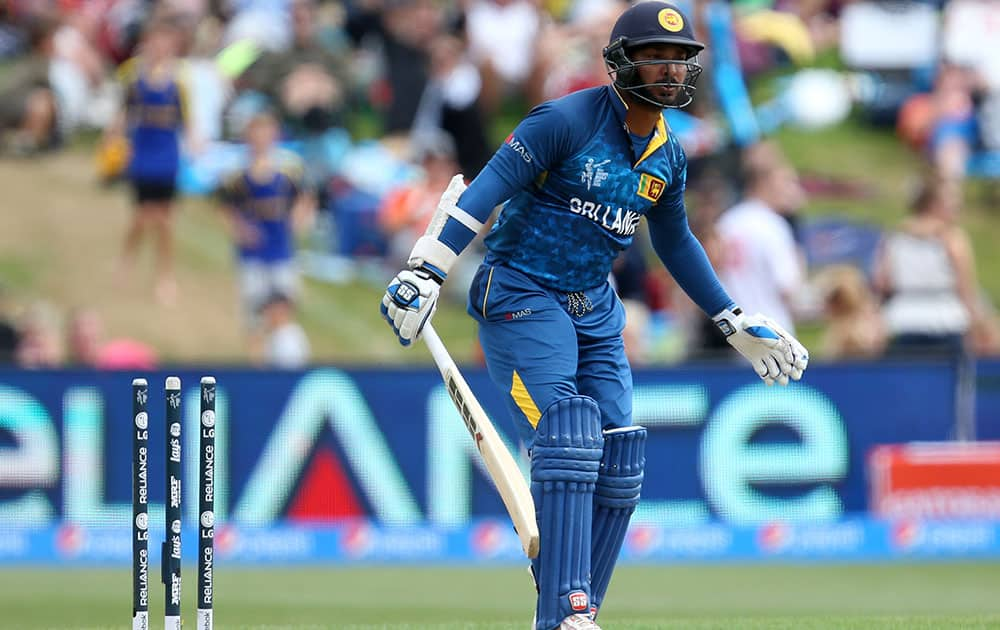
(436, 346)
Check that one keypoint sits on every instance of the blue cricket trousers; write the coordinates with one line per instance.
(543, 345)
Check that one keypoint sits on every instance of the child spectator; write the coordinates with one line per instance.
(266, 206)
(284, 342)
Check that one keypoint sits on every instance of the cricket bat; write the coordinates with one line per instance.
(500, 463)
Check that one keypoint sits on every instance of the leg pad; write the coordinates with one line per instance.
(565, 459)
(616, 496)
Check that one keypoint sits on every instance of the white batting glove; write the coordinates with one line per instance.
(774, 354)
(800, 356)
(409, 302)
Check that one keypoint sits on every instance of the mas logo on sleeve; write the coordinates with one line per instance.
(671, 20)
(651, 187)
(518, 148)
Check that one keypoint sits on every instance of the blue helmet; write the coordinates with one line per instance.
(653, 22)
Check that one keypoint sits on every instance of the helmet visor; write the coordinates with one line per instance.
(660, 82)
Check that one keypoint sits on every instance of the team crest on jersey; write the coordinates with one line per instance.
(651, 187)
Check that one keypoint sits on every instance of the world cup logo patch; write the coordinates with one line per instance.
(651, 187)
(671, 20)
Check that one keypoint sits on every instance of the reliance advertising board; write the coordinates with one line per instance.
(300, 452)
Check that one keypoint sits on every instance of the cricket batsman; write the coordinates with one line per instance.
(577, 175)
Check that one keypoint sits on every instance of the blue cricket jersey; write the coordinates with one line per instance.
(577, 184)
(267, 206)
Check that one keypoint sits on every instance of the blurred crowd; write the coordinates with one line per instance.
(39, 335)
(326, 131)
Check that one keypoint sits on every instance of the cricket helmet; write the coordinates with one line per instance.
(653, 22)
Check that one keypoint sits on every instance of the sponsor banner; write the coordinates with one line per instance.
(655, 542)
(936, 480)
(829, 540)
(356, 541)
(386, 445)
(849, 540)
(490, 542)
(943, 539)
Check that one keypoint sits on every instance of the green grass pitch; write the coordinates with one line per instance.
(648, 598)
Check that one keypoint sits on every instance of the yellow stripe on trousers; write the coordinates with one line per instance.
(523, 400)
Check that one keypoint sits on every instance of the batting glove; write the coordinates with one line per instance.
(774, 354)
(800, 356)
(409, 302)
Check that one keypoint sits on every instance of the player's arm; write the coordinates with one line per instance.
(541, 140)
(774, 354)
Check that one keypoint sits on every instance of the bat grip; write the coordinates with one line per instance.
(436, 346)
